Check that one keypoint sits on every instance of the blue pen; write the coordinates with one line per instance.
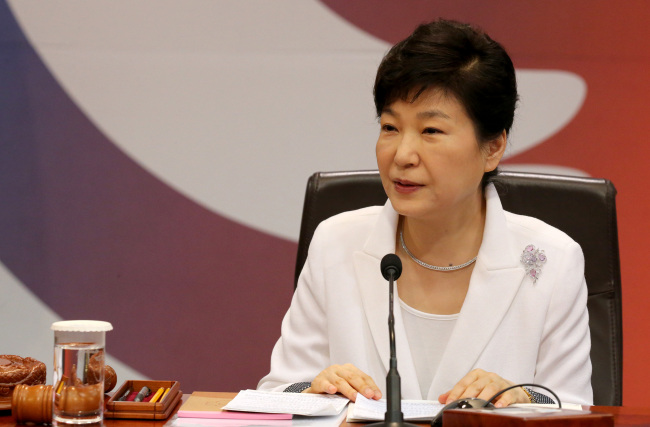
(142, 394)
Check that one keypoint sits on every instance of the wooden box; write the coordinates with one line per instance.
(524, 418)
(159, 410)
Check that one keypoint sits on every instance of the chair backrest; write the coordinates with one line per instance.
(584, 208)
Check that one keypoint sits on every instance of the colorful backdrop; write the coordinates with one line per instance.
(154, 155)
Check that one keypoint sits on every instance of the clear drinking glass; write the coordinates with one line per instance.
(78, 386)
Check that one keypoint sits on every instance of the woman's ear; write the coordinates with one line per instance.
(494, 150)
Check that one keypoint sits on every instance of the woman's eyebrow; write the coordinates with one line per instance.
(432, 113)
(389, 111)
(421, 115)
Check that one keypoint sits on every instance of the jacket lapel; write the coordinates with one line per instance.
(494, 283)
(374, 296)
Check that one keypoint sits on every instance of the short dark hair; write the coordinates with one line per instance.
(459, 60)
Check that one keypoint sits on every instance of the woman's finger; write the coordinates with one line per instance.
(491, 387)
(344, 388)
(516, 395)
(321, 385)
(361, 382)
(347, 380)
(461, 388)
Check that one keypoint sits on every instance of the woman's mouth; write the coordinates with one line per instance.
(406, 187)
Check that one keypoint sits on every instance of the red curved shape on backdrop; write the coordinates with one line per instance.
(95, 236)
(607, 44)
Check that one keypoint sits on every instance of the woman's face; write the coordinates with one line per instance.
(429, 159)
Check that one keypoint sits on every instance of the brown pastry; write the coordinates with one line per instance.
(94, 368)
(84, 399)
(110, 379)
(15, 370)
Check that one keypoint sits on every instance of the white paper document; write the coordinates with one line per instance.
(374, 410)
(287, 403)
(542, 406)
(423, 410)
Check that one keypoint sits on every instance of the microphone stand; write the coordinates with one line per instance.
(394, 416)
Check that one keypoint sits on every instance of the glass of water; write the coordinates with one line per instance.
(78, 386)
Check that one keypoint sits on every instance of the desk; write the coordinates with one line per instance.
(623, 417)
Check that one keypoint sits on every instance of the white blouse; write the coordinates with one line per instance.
(427, 335)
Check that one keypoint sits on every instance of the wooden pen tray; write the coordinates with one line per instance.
(144, 410)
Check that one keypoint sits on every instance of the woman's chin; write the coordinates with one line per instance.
(410, 209)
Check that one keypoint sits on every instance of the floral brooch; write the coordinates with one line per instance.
(533, 260)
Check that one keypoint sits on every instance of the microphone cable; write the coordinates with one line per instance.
(559, 402)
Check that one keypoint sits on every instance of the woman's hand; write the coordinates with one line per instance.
(484, 385)
(345, 379)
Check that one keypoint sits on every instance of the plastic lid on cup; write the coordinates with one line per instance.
(82, 326)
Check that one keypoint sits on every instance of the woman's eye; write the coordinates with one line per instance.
(388, 128)
(431, 131)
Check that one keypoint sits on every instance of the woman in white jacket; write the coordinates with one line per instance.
(487, 298)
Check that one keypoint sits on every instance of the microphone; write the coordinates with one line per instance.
(391, 269)
(391, 265)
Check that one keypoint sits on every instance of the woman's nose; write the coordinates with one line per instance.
(406, 154)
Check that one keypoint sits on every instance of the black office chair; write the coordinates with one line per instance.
(584, 208)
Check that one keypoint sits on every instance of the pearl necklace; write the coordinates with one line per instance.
(429, 266)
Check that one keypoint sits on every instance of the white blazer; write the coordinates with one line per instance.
(524, 331)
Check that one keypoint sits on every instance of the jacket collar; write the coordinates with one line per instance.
(495, 280)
